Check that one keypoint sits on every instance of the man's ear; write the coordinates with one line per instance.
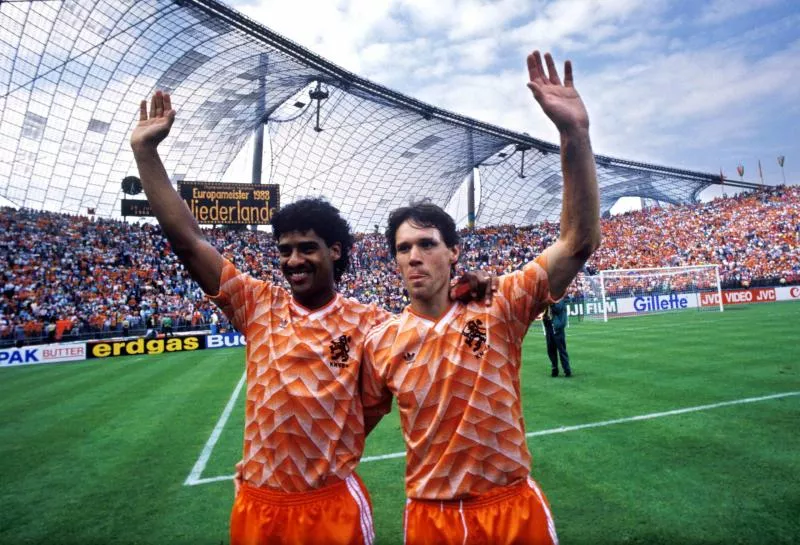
(336, 251)
(456, 251)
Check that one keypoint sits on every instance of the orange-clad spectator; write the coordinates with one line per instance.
(64, 265)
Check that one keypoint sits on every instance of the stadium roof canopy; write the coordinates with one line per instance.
(72, 73)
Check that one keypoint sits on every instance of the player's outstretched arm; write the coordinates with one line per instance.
(580, 211)
(199, 257)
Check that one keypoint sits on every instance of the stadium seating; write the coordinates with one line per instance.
(71, 277)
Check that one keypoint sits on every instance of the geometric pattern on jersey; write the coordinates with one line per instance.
(303, 416)
(456, 381)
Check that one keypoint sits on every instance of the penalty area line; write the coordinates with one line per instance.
(200, 465)
(564, 429)
(650, 416)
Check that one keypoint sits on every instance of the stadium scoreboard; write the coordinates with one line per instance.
(220, 204)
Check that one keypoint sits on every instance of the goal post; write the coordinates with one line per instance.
(635, 292)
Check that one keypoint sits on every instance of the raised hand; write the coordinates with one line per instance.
(474, 286)
(152, 129)
(560, 102)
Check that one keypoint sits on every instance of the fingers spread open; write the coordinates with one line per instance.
(551, 68)
(167, 102)
(536, 68)
(159, 103)
(568, 74)
(532, 72)
(143, 110)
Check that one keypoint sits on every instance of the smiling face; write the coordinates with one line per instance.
(425, 262)
(307, 263)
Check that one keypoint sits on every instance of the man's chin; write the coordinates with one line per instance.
(299, 287)
(418, 292)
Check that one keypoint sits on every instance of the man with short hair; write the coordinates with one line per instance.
(554, 321)
(454, 368)
(304, 429)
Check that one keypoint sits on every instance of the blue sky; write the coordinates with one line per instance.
(701, 85)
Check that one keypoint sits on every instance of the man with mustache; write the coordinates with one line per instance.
(304, 428)
(454, 368)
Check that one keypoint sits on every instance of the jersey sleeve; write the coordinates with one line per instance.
(376, 398)
(238, 293)
(527, 290)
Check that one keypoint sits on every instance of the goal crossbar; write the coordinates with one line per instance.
(611, 274)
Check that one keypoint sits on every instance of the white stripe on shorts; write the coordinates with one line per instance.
(463, 521)
(551, 525)
(367, 529)
(405, 521)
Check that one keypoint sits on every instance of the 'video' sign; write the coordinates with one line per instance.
(739, 297)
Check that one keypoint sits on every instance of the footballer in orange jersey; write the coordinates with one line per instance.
(304, 427)
(454, 368)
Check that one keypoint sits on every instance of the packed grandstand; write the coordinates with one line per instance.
(72, 277)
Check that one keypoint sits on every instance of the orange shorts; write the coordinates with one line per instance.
(339, 514)
(517, 514)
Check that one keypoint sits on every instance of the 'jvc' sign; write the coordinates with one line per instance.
(739, 297)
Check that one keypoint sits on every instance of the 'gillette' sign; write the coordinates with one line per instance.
(655, 303)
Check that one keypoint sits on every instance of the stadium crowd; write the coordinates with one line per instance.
(69, 277)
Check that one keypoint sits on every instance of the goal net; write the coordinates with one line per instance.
(635, 292)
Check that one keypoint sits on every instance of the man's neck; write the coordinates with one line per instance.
(434, 308)
(315, 301)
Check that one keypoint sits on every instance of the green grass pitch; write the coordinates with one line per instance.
(98, 451)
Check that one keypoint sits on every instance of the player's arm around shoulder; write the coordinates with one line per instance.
(376, 398)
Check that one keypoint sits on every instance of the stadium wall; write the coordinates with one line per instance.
(143, 346)
(647, 304)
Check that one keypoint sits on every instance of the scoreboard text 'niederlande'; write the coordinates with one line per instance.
(217, 203)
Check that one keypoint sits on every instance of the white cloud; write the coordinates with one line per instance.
(657, 86)
(719, 11)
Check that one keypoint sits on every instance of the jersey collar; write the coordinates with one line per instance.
(313, 314)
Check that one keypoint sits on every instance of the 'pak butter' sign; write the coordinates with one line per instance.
(228, 204)
(220, 204)
(106, 349)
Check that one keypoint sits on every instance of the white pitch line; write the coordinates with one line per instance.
(650, 416)
(208, 480)
(200, 465)
(195, 480)
(659, 415)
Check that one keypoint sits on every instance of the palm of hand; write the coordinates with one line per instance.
(153, 130)
(563, 105)
(560, 102)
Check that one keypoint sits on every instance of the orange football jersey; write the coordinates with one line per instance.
(456, 381)
(304, 426)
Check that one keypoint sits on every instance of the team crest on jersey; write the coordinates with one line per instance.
(340, 351)
(475, 337)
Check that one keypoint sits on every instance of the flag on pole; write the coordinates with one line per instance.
(760, 172)
(780, 160)
(740, 170)
(721, 176)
